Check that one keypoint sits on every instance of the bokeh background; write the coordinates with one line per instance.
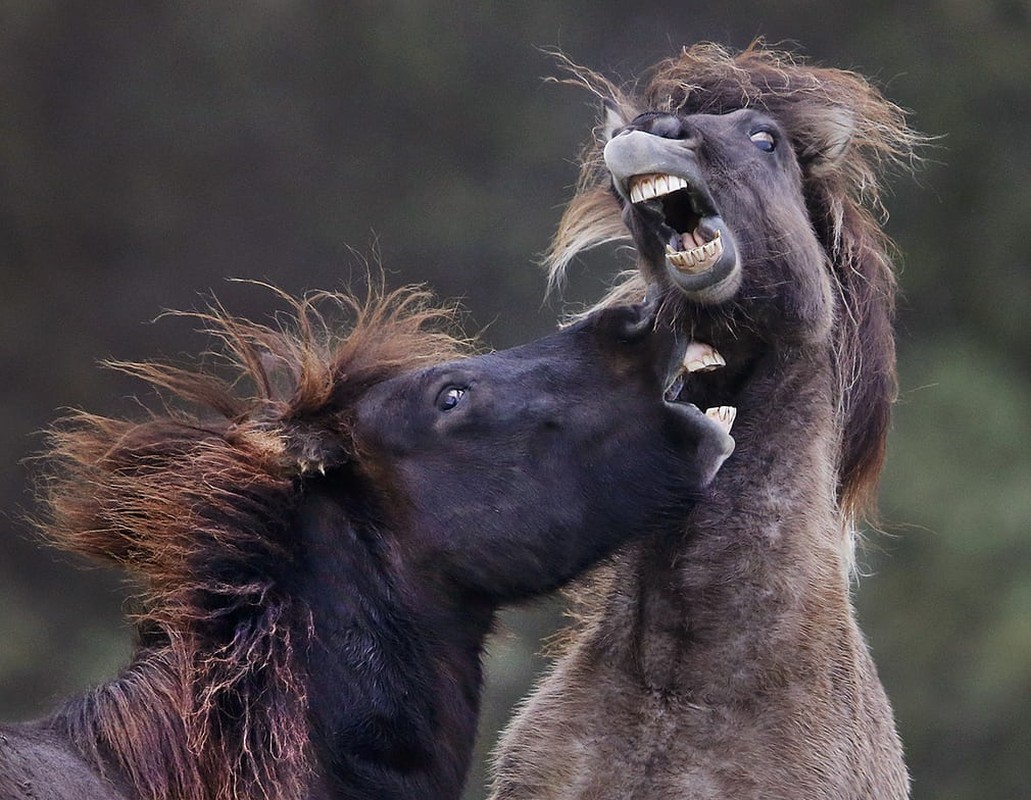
(148, 151)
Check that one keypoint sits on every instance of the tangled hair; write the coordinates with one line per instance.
(845, 135)
(197, 506)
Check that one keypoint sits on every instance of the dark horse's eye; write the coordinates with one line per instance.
(449, 398)
(764, 140)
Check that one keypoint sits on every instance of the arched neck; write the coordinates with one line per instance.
(724, 603)
(394, 668)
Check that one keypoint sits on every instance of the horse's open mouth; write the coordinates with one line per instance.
(691, 246)
(664, 184)
(698, 245)
(699, 358)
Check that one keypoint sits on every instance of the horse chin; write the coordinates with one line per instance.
(713, 285)
(696, 254)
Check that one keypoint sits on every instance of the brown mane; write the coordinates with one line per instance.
(196, 505)
(830, 116)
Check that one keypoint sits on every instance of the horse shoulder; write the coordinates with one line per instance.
(37, 763)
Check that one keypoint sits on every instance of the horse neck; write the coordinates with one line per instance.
(755, 588)
(394, 670)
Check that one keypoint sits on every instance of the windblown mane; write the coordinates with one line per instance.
(845, 134)
(197, 506)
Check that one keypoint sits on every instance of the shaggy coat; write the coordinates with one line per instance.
(321, 558)
(723, 660)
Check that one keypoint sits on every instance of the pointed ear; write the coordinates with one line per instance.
(280, 375)
(826, 139)
(613, 118)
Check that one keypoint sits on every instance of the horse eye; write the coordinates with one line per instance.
(764, 141)
(449, 398)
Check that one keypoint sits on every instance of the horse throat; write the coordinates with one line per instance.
(393, 671)
(725, 605)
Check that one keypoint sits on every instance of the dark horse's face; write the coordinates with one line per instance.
(513, 471)
(716, 210)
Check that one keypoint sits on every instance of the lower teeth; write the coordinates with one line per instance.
(697, 258)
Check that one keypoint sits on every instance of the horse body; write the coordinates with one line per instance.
(37, 762)
(724, 660)
(321, 565)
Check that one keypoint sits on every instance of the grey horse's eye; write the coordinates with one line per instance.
(764, 140)
(449, 398)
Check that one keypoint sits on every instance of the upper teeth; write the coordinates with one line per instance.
(702, 357)
(699, 357)
(648, 187)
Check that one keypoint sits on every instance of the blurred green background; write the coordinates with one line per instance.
(150, 150)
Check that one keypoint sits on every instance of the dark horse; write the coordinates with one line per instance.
(321, 561)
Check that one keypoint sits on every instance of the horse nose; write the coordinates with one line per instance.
(653, 142)
(635, 323)
(668, 126)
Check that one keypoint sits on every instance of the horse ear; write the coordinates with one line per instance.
(280, 375)
(828, 135)
(613, 118)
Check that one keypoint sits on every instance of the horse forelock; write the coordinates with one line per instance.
(846, 136)
(196, 502)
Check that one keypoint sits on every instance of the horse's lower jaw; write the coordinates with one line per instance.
(714, 285)
(710, 272)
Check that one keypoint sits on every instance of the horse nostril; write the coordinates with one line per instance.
(639, 320)
(668, 126)
(671, 127)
